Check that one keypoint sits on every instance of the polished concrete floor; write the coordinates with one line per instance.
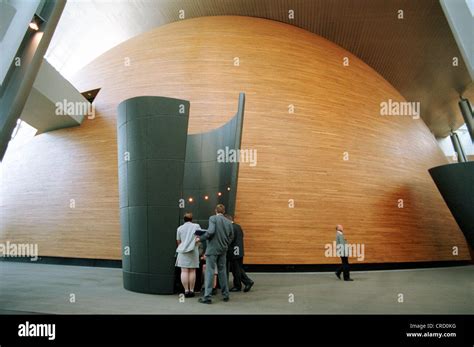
(38, 288)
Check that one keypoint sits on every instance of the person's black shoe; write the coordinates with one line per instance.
(248, 287)
(186, 294)
(338, 275)
(205, 301)
(226, 299)
(234, 289)
(214, 291)
(191, 295)
(349, 279)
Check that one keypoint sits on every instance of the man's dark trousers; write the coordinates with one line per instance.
(238, 272)
(344, 268)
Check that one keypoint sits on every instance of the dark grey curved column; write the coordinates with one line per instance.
(455, 182)
(237, 140)
(204, 176)
(152, 135)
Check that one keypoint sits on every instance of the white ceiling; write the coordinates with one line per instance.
(89, 28)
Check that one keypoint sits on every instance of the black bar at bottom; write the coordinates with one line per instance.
(271, 329)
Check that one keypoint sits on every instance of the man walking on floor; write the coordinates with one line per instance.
(342, 251)
(235, 256)
(219, 235)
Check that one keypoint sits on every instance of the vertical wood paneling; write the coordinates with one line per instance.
(300, 155)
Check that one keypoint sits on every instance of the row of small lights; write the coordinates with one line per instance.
(206, 197)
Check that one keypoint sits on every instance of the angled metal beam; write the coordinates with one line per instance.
(20, 78)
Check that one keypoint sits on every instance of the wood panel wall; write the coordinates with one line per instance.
(300, 155)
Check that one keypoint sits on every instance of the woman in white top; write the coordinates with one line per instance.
(188, 254)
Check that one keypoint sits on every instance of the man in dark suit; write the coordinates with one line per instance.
(219, 235)
(235, 255)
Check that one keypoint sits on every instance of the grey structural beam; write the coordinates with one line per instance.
(20, 78)
(461, 21)
(458, 148)
(466, 112)
(54, 103)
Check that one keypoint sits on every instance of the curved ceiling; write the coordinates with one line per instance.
(414, 54)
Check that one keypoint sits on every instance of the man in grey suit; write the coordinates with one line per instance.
(341, 243)
(219, 235)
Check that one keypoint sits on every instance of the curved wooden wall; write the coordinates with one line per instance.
(300, 155)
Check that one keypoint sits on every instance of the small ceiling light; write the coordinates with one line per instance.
(219, 194)
(190, 199)
(228, 188)
(206, 197)
(36, 22)
(33, 25)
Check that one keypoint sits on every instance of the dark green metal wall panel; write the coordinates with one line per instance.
(162, 140)
(158, 243)
(205, 176)
(151, 135)
(193, 148)
(123, 185)
(136, 181)
(161, 182)
(455, 182)
(192, 176)
(122, 144)
(138, 235)
(237, 140)
(159, 164)
(125, 237)
(136, 139)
